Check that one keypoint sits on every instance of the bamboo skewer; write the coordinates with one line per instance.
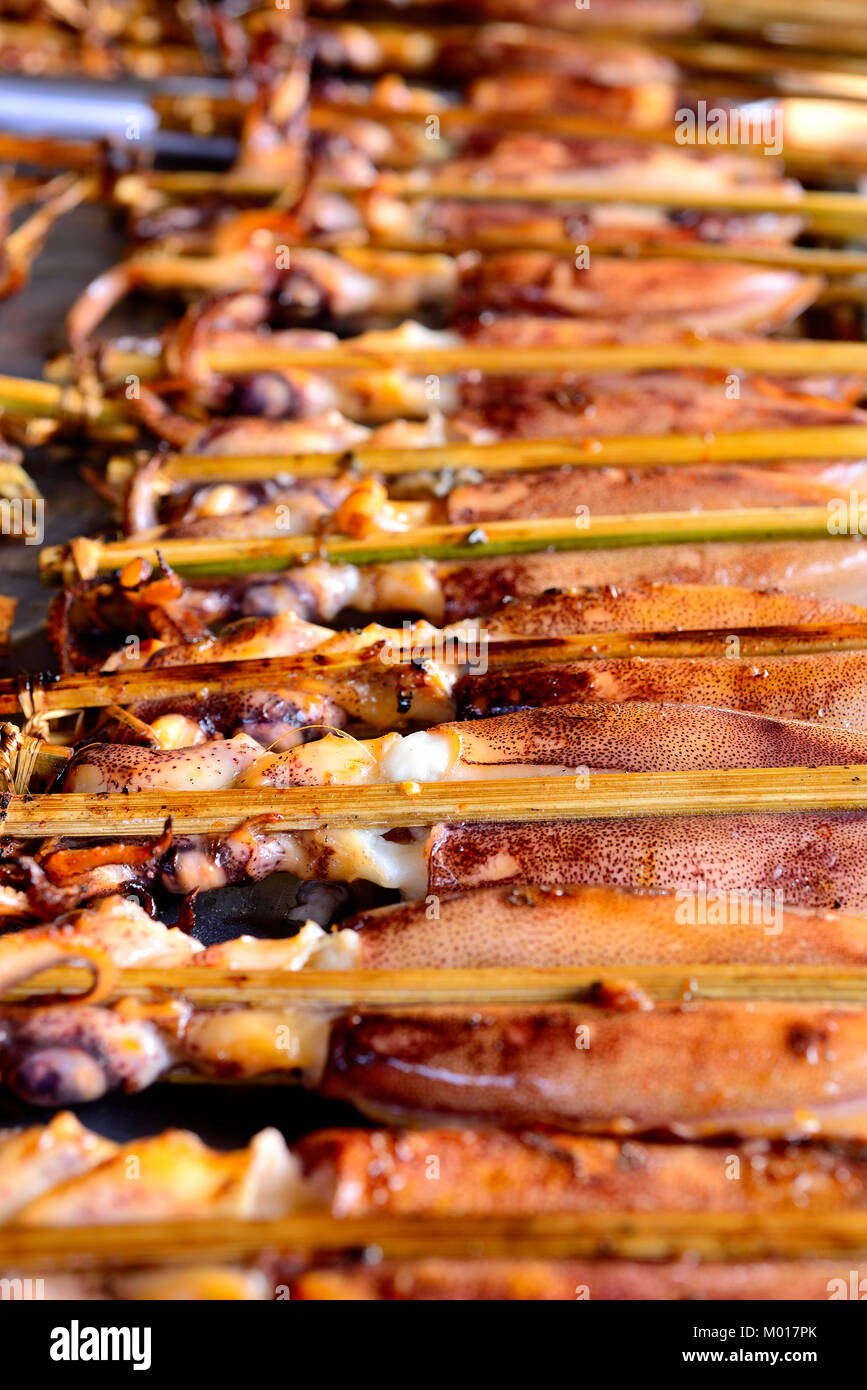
(825, 210)
(101, 690)
(209, 987)
(812, 203)
(771, 357)
(206, 557)
(507, 800)
(211, 274)
(24, 399)
(815, 204)
(631, 1236)
(27, 399)
(836, 14)
(519, 455)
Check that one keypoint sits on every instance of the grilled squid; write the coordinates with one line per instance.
(367, 508)
(827, 687)
(62, 1174)
(812, 860)
(412, 687)
(386, 218)
(648, 607)
(480, 408)
(78, 1053)
(762, 1069)
(205, 766)
(629, 737)
(833, 569)
(614, 296)
(504, 1280)
(500, 926)
(117, 929)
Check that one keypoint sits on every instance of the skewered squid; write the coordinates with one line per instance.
(497, 926)
(62, 1173)
(769, 1070)
(254, 412)
(627, 737)
(608, 298)
(390, 678)
(772, 1070)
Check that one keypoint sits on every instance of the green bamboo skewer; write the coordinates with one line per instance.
(206, 556)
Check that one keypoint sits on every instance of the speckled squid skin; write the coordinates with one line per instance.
(662, 607)
(829, 569)
(770, 1070)
(817, 860)
(827, 686)
(545, 927)
(110, 767)
(621, 491)
(650, 737)
(629, 737)
(437, 1280)
(359, 1172)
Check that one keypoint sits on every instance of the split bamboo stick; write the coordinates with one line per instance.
(826, 211)
(504, 800)
(632, 1236)
(814, 204)
(768, 357)
(24, 399)
(206, 557)
(209, 987)
(520, 455)
(101, 690)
